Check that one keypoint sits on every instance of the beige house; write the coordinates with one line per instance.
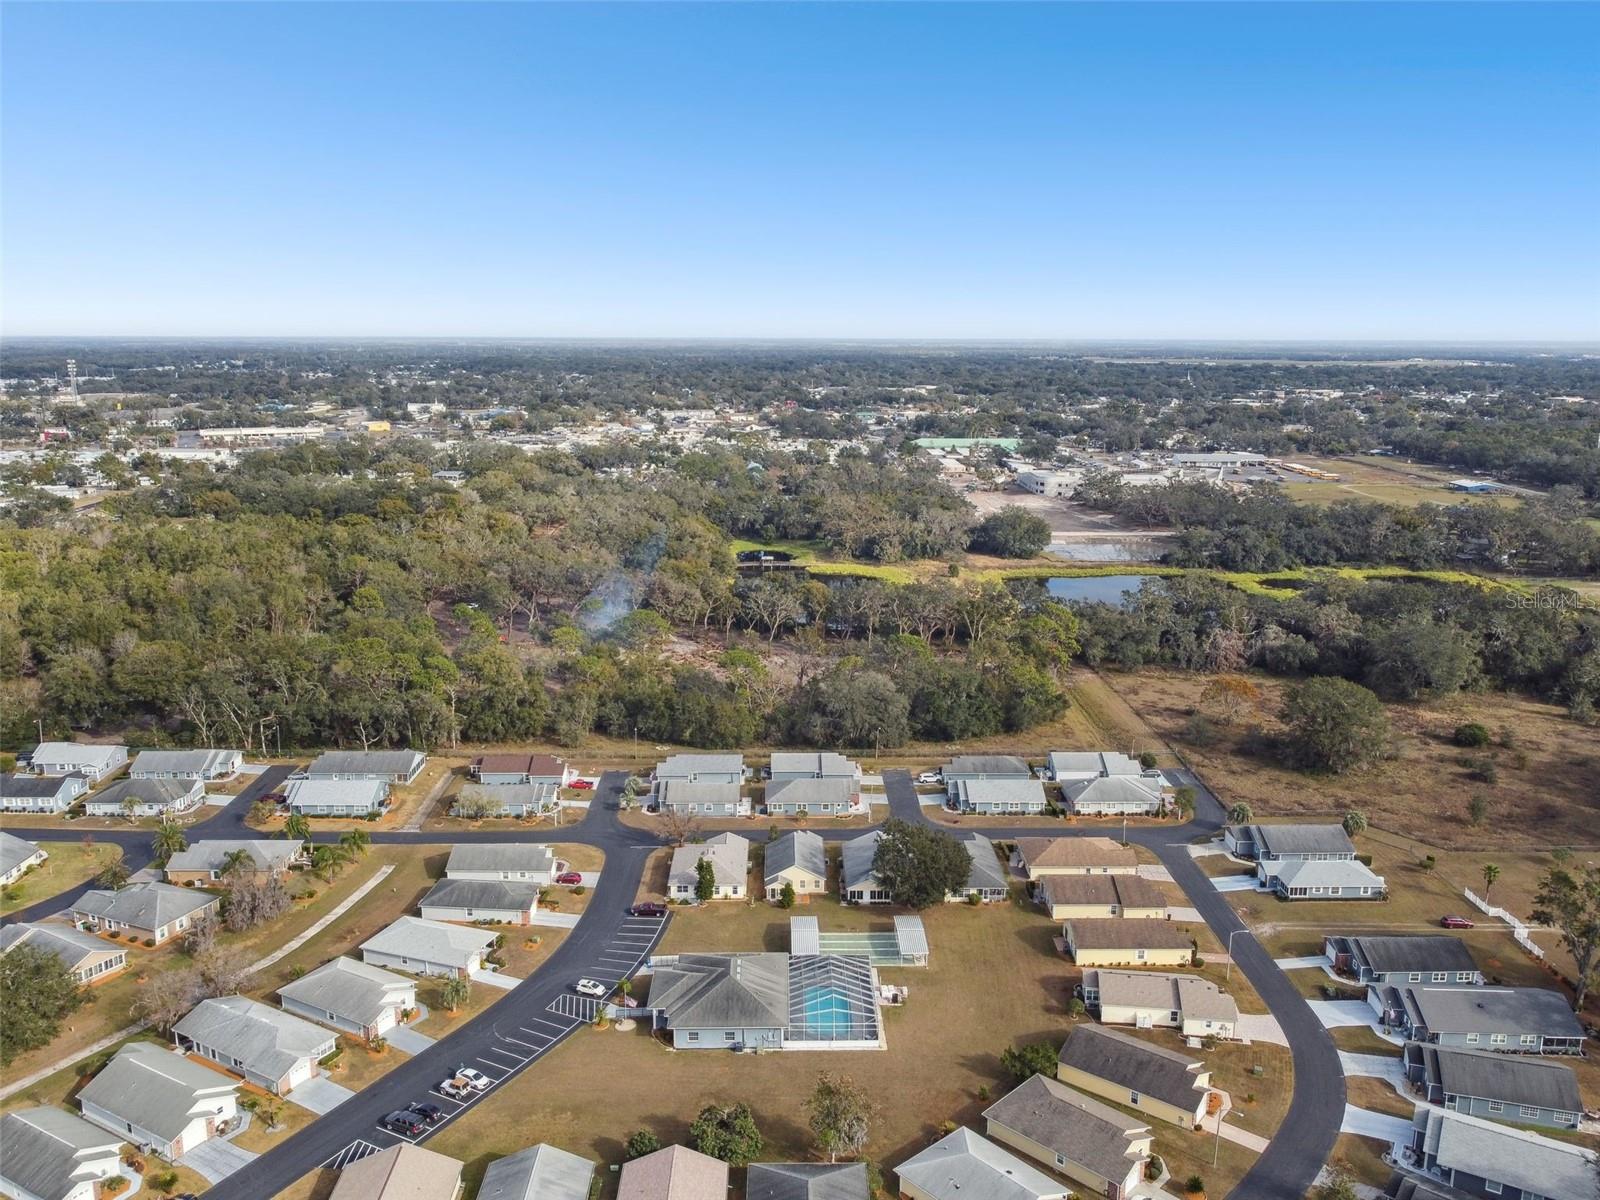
(674, 1173)
(1136, 1074)
(798, 859)
(1089, 1142)
(1068, 896)
(402, 1172)
(729, 856)
(1128, 942)
(1194, 1006)
(1037, 857)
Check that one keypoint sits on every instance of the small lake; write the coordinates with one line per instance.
(1096, 589)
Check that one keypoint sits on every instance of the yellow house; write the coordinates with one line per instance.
(1090, 1143)
(376, 426)
(1073, 896)
(1136, 1074)
(1128, 942)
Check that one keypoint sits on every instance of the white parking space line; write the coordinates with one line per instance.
(355, 1151)
(506, 1037)
(559, 1028)
(502, 1056)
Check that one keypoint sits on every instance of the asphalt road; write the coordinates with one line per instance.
(542, 1011)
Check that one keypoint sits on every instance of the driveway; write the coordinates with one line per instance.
(554, 920)
(216, 1159)
(1297, 964)
(1338, 1014)
(403, 1037)
(495, 979)
(1375, 1125)
(1234, 883)
(1260, 1027)
(1376, 1066)
(1155, 872)
(320, 1095)
(1184, 914)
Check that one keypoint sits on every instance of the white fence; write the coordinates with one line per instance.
(1518, 929)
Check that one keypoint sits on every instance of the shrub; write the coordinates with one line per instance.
(1194, 1185)
(1471, 734)
(983, 1092)
(973, 899)
(579, 890)
(1153, 1168)
(1147, 760)
(1477, 808)
(110, 1187)
(1076, 1007)
(165, 1181)
(150, 942)
(641, 1143)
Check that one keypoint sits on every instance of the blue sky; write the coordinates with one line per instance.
(1077, 171)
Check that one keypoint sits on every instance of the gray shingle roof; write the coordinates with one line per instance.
(35, 787)
(1135, 1064)
(686, 766)
(383, 763)
(1303, 839)
(43, 1148)
(14, 851)
(1333, 872)
(730, 860)
(267, 1042)
(986, 764)
(356, 991)
(540, 1172)
(154, 1088)
(1127, 891)
(1079, 1128)
(807, 1181)
(1188, 994)
(1126, 933)
(1104, 762)
(360, 794)
(800, 848)
(723, 991)
(500, 856)
(163, 793)
(857, 857)
(683, 792)
(985, 871)
(146, 906)
(1028, 792)
(964, 1166)
(813, 793)
(475, 894)
(1511, 1078)
(429, 941)
(264, 853)
(47, 753)
(1470, 1009)
(1426, 953)
(73, 947)
(1492, 1151)
(179, 761)
(823, 765)
(1114, 789)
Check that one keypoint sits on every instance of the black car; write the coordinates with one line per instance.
(648, 909)
(404, 1121)
(431, 1113)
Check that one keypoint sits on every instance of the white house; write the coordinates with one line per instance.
(146, 798)
(67, 758)
(495, 901)
(40, 793)
(159, 1100)
(54, 1155)
(389, 766)
(729, 856)
(351, 996)
(17, 858)
(428, 947)
(273, 1050)
(186, 764)
(341, 797)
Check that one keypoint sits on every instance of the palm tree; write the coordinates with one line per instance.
(1240, 814)
(1490, 874)
(235, 860)
(297, 827)
(169, 840)
(356, 841)
(1355, 822)
(325, 860)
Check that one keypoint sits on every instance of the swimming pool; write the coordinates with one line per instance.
(832, 998)
(827, 1013)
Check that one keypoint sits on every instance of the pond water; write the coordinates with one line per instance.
(1096, 589)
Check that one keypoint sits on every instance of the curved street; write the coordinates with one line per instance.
(539, 1013)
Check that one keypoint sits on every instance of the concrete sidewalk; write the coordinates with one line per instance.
(1375, 1125)
(339, 910)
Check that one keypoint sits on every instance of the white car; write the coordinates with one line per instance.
(588, 987)
(476, 1080)
(930, 777)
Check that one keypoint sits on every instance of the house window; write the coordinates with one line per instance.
(1139, 954)
(1465, 976)
(1564, 1118)
(1414, 977)
(1133, 1098)
(1472, 1039)
(691, 1036)
(1529, 1110)
(1497, 1039)
(730, 1036)
(1492, 1186)
(1440, 976)
(1061, 1160)
(1496, 1106)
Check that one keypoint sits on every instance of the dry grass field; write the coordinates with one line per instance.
(1382, 481)
(69, 864)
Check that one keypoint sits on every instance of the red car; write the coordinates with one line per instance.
(1455, 923)
(569, 877)
(581, 784)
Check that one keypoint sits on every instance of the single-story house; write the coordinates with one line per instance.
(401, 1172)
(1020, 796)
(387, 766)
(507, 799)
(273, 1050)
(1332, 879)
(967, 768)
(1115, 796)
(986, 878)
(158, 1099)
(807, 1181)
(1074, 766)
(503, 903)
(428, 947)
(55, 1155)
(1497, 1087)
(673, 1173)
(1426, 958)
(146, 798)
(1127, 941)
(858, 881)
(40, 793)
(701, 768)
(789, 767)
(1402, 1186)
(524, 862)
(206, 862)
(1037, 857)
(1089, 1142)
(1270, 846)
(540, 1172)
(763, 1001)
(698, 798)
(964, 1166)
(1194, 1006)
(155, 911)
(69, 758)
(799, 859)
(829, 797)
(1484, 1159)
(353, 997)
(1515, 1020)
(87, 957)
(1136, 1074)
(729, 855)
(1067, 896)
(501, 770)
(17, 857)
(186, 764)
(341, 797)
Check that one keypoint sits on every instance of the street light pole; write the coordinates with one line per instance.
(1216, 1151)
(1228, 974)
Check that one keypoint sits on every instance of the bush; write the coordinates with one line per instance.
(983, 1093)
(973, 899)
(150, 942)
(1471, 734)
(114, 1185)
(1153, 1168)
(1477, 808)
(165, 1181)
(641, 1143)
(1076, 1007)
(1194, 1185)
(579, 890)
(1147, 760)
